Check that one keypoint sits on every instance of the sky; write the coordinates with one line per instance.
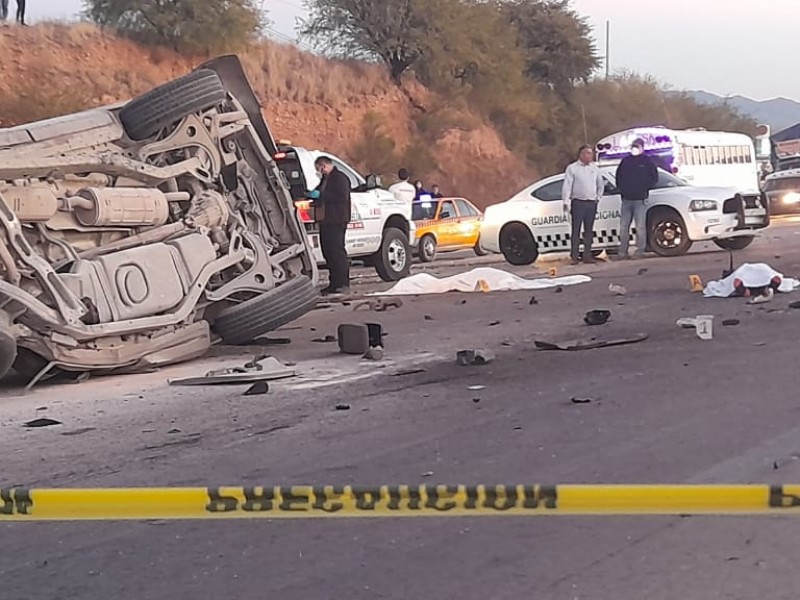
(722, 46)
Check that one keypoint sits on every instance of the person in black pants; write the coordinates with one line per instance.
(20, 12)
(334, 202)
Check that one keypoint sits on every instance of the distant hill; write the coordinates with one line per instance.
(778, 113)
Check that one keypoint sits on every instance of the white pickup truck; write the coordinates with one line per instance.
(380, 232)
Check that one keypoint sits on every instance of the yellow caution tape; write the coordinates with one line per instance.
(301, 502)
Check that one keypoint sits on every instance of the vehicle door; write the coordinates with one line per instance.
(609, 212)
(468, 224)
(447, 224)
(551, 225)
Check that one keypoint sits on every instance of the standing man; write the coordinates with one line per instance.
(636, 176)
(436, 192)
(20, 11)
(582, 191)
(403, 190)
(334, 198)
(3, 10)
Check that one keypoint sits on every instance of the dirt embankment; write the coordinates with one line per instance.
(52, 69)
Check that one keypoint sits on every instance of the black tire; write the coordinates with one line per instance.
(479, 251)
(393, 261)
(667, 233)
(8, 352)
(245, 322)
(427, 248)
(737, 243)
(148, 114)
(517, 245)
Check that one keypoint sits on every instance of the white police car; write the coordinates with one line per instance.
(381, 231)
(533, 222)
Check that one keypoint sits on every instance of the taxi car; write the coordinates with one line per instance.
(446, 224)
(533, 222)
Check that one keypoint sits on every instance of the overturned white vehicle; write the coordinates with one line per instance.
(133, 233)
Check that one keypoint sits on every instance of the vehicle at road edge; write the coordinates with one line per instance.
(445, 224)
(783, 191)
(380, 231)
(132, 232)
(533, 221)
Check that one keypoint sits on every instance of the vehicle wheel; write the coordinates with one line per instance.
(148, 114)
(393, 260)
(668, 235)
(737, 243)
(517, 245)
(245, 322)
(427, 248)
(8, 352)
(479, 251)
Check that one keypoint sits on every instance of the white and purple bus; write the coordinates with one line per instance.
(700, 157)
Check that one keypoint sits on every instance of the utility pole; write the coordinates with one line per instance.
(608, 46)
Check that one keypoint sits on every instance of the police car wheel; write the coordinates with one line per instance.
(427, 248)
(668, 236)
(393, 260)
(517, 245)
(737, 243)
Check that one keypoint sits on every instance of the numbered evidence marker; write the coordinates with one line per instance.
(696, 283)
(705, 327)
(553, 272)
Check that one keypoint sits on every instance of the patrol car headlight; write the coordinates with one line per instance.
(699, 205)
(791, 198)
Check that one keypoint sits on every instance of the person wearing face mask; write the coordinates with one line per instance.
(636, 176)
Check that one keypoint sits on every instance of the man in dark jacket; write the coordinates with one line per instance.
(334, 207)
(636, 176)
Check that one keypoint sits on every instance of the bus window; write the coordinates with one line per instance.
(715, 155)
(728, 155)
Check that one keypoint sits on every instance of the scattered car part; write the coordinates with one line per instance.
(468, 358)
(597, 317)
(592, 344)
(263, 368)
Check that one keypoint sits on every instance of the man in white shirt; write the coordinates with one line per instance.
(403, 190)
(582, 191)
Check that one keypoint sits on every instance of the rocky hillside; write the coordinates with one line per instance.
(53, 69)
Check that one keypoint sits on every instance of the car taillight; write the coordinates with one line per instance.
(304, 210)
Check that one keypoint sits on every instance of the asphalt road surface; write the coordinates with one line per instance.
(670, 409)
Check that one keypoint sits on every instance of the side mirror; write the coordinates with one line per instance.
(373, 182)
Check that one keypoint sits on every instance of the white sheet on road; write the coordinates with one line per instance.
(752, 275)
(494, 280)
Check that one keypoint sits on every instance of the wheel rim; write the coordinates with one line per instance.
(429, 248)
(516, 245)
(396, 252)
(669, 234)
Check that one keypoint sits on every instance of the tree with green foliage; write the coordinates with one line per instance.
(555, 40)
(392, 31)
(191, 26)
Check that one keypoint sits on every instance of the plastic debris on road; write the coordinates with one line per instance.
(485, 279)
(752, 275)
